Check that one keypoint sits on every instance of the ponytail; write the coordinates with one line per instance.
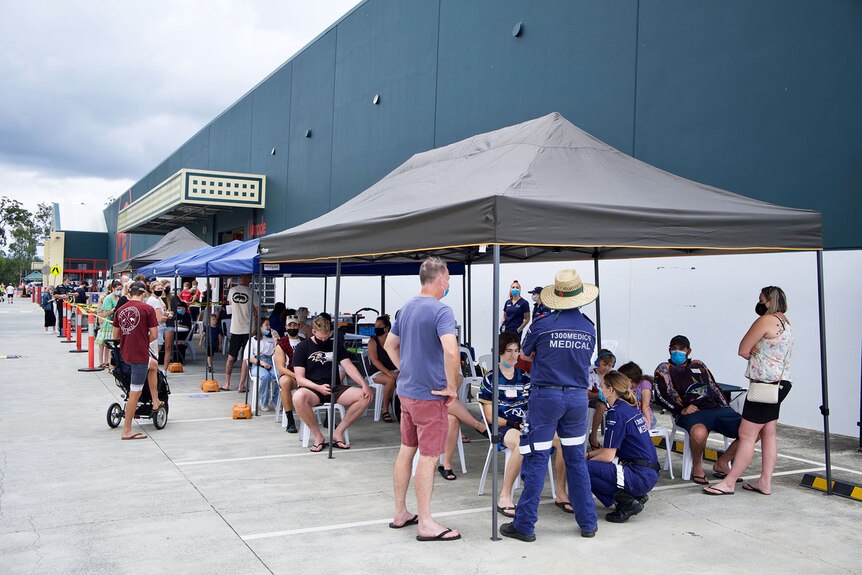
(622, 385)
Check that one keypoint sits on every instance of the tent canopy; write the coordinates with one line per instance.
(544, 190)
(179, 241)
(168, 266)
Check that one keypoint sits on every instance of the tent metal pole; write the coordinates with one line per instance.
(382, 295)
(464, 310)
(495, 352)
(209, 372)
(325, 291)
(824, 408)
(469, 303)
(335, 344)
(598, 302)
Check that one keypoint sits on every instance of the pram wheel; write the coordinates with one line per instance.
(160, 417)
(115, 415)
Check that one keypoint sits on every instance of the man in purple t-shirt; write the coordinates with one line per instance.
(423, 345)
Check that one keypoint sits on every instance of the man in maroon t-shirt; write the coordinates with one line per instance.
(135, 325)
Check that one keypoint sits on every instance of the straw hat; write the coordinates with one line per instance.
(568, 291)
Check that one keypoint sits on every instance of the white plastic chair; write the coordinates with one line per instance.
(225, 336)
(377, 387)
(473, 379)
(661, 431)
(189, 342)
(686, 450)
(508, 454)
(319, 412)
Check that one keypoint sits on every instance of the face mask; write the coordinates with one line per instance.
(118, 292)
(677, 357)
(535, 298)
(516, 292)
(157, 293)
(167, 290)
(602, 397)
(445, 293)
(293, 332)
(265, 331)
(180, 312)
(760, 308)
(378, 331)
(504, 364)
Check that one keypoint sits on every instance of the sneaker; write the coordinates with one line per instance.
(508, 530)
(265, 408)
(589, 533)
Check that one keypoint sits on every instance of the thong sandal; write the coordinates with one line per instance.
(713, 490)
(134, 436)
(565, 506)
(447, 474)
(507, 511)
(412, 521)
(750, 487)
(439, 537)
(387, 417)
(318, 447)
(700, 479)
(338, 444)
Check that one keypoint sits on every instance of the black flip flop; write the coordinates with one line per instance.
(340, 445)
(318, 447)
(565, 506)
(750, 487)
(716, 491)
(439, 537)
(447, 474)
(407, 523)
(722, 475)
(507, 511)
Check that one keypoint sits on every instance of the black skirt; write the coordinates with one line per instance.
(765, 412)
(50, 318)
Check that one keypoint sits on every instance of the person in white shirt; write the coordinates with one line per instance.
(244, 305)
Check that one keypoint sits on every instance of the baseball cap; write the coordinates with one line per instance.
(138, 288)
(537, 289)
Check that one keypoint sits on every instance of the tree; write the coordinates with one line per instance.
(13, 216)
(20, 231)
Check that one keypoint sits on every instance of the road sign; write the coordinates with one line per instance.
(56, 271)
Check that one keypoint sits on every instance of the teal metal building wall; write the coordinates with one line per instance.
(760, 98)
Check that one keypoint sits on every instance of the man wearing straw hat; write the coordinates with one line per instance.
(560, 344)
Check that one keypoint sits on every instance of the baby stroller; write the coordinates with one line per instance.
(123, 377)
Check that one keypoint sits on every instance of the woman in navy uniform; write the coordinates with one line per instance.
(626, 468)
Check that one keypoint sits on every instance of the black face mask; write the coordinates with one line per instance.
(157, 293)
(760, 308)
(378, 331)
(167, 290)
(293, 332)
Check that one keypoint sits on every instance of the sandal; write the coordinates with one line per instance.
(318, 447)
(565, 506)
(387, 417)
(447, 474)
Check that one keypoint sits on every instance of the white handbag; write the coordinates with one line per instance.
(763, 392)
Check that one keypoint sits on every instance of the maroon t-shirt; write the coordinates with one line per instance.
(135, 320)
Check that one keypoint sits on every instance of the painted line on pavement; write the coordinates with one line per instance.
(281, 455)
(202, 419)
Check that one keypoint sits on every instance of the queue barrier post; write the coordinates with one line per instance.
(78, 329)
(91, 345)
(67, 321)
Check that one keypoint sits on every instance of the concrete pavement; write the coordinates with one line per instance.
(208, 494)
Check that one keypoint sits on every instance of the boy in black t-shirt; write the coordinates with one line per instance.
(312, 363)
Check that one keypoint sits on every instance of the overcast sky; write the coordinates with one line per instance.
(94, 94)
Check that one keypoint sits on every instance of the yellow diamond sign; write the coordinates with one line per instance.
(56, 271)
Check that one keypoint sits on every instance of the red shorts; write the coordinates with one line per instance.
(424, 424)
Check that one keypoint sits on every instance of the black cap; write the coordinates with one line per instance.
(137, 288)
(537, 289)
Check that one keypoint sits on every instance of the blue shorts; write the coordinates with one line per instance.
(139, 376)
(723, 420)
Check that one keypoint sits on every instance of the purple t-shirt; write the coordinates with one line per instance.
(420, 324)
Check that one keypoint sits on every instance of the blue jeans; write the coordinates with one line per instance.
(563, 412)
(265, 378)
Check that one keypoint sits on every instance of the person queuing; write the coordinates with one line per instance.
(767, 346)
(137, 326)
(381, 368)
(423, 345)
(516, 311)
(283, 358)
(244, 304)
(627, 467)
(560, 344)
(47, 303)
(113, 291)
(262, 351)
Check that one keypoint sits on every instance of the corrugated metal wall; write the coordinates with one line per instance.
(760, 98)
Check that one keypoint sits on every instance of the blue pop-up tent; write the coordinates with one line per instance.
(168, 266)
(200, 264)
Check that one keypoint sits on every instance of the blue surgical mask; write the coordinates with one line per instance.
(602, 397)
(445, 293)
(677, 357)
(516, 292)
(265, 331)
(118, 292)
(504, 364)
(180, 311)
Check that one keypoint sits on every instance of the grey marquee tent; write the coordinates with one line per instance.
(545, 190)
(175, 242)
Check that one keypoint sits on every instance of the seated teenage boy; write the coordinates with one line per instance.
(312, 364)
(688, 390)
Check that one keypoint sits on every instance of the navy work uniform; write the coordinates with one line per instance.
(563, 342)
(635, 468)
